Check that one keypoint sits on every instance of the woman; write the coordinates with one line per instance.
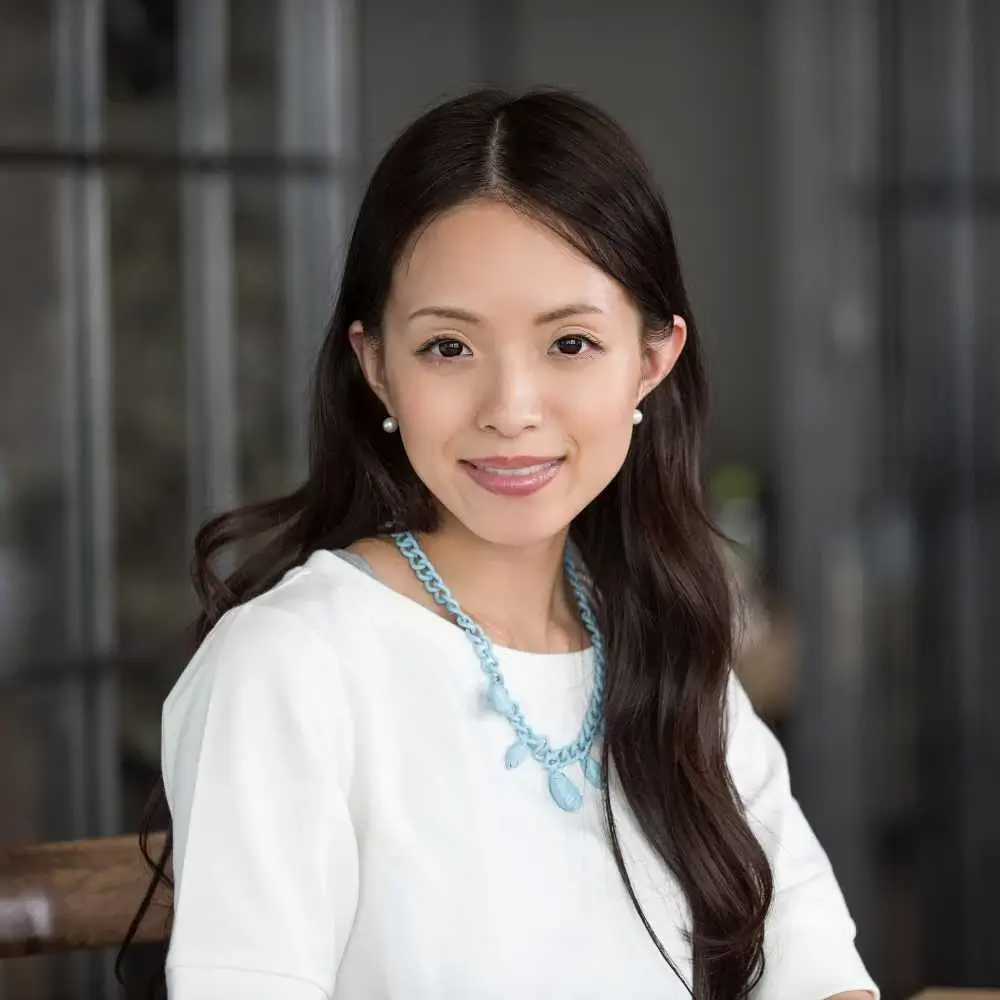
(386, 763)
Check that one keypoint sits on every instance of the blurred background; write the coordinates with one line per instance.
(177, 179)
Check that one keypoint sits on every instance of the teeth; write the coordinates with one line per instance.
(527, 470)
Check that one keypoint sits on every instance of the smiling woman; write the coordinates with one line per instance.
(463, 723)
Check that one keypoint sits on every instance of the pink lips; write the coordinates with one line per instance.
(512, 475)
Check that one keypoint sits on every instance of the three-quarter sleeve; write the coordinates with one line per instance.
(257, 763)
(809, 939)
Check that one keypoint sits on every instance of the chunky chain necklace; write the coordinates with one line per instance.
(528, 742)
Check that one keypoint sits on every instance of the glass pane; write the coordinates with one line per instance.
(155, 601)
(26, 81)
(33, 564)
(263, 424)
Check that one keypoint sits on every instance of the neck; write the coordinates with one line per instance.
(518, 595)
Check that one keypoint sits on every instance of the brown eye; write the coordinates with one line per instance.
(446, 348)
(450, 348)
(574, 344)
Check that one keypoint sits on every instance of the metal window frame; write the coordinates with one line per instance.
(207, 262)
(318, 118)
(91, 781)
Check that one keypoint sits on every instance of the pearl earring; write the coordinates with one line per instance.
(637, 417)
(389, 425)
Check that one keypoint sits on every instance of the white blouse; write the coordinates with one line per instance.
(345, 827)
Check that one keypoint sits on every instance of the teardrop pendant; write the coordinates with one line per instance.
(592, 772)
(516, 754)
(567, 796)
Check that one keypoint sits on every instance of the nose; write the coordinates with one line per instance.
(511, 401)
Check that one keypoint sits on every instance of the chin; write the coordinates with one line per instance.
(517, 528)
(521, 527)
(520, 535)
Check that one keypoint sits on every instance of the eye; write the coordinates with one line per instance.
(446, 348)
(574, 344)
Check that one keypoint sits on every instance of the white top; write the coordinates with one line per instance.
(345, 826)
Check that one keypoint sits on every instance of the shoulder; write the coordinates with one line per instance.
(288, 641)
(269, 676)
(326, 595)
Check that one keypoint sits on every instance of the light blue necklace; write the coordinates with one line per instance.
(529, 743)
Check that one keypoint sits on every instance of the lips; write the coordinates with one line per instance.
(518, 467)
(513, 475)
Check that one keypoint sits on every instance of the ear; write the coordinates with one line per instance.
(659, 355)
(366, 350)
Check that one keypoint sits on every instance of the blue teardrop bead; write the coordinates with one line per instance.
(499, 699)
(567, 796)
(516, 754)
(592, 772)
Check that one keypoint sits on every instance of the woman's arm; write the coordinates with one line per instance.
(809, 947)
(257, 760)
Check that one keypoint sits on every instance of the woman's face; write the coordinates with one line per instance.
(513, 366)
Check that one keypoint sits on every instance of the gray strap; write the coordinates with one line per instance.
(358, 562)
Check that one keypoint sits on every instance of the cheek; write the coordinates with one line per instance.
(608, 423)
(600, 421)
(604, 401)
(429, 414)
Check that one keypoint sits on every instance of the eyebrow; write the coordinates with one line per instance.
(552, 316)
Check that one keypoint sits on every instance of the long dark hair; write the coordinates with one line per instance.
(662, 592)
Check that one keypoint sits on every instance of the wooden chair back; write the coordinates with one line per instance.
(77, 896)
